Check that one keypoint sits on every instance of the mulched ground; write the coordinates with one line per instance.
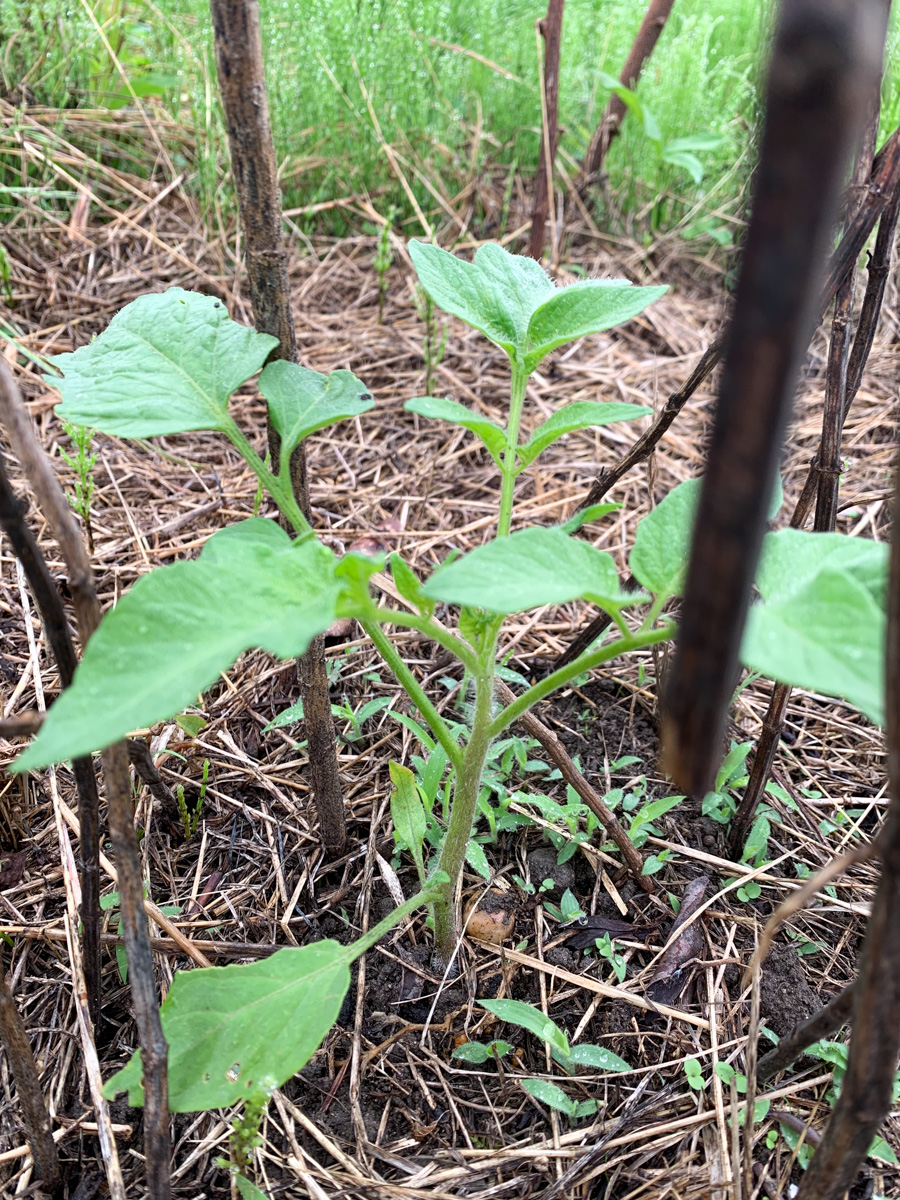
(383, 1109)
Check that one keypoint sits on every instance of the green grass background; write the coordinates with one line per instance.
(324, 55)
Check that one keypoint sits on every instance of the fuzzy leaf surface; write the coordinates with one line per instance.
(662, 544)
(583, 414)
(302, 401)
(530, 568)
(496, 293)
(232, 1030)
(581, 308)
(166, 363)
(171, 635)
(827, 634)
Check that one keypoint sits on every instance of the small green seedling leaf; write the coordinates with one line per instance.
(585, 516)
(882, 1151)
(436, 408)
(289, 716)
(583, 414)
(190, 723)
(517, 1012)
(180, 626)
(166, 363)
(551, 1095)
(596, 1056)
(529, 568)
(662, 542)
(477, 859)
(480, 1052)
(408, 814)
(302, 401)
(248, 1190)
(409, 585)
(694, 1073)
(232, 1030)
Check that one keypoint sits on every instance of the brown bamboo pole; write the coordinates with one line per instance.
(550, 29)
(28, 1089)
(242, 83)
(826, 57)
(647, 36)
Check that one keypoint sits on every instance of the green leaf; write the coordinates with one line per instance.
(512, 301)
(792, 558)
(529, 568)
(630, 99)
(409, 585)
(496, 294)
(882, 1151)
(190, 723)
(166, 363)
(596, 1056)
(302, 401)
(582, 308)
(248, 1190)
(662, 543)
(826, 635)
(517, 1012)
(288, 716)
(583, 414)
(551, 1095)
(232, 1030)
(457, 414)
(684, 159)
(180, 626)
(408, 814)
(477, 859)
(696, 141)
(757, 842)
(586, 516)
(472, 1052)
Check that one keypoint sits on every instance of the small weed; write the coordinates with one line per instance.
(82, 462)
(190, 817)
(434, 343)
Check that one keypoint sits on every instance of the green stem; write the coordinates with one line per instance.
(415, 691)
(376, 933)
(462, 814)
(274, 485)
(435, 631)
(585, 662)
(508, 469)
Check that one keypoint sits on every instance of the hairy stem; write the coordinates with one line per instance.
(462, 813)
(516, 402)
(434, 630)
(274, 484)
(586, 662)
(376, 933)
(414, 690)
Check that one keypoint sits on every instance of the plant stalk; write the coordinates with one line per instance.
(516, 401)
(462, 814)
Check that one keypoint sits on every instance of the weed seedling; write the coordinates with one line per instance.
(82, 462)
(608, 949)
(383, 259)
(190, 817)
(433, 342)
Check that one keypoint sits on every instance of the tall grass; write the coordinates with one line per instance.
(347, 76)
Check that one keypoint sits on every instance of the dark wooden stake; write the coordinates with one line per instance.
(242, 83)
(820, 1025)
(865, 1098)
(829, 458)
(550, 29)
(28, 1089)
(826, 58)
(56, 627)
(17, 425)
(767, 744)
(648, 35)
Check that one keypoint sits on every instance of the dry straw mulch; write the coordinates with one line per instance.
(383, 1109)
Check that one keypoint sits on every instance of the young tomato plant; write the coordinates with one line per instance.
(169, 363)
